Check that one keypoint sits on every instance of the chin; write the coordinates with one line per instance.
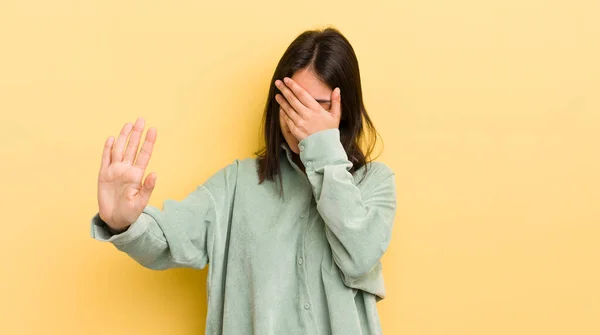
(295, 148)
(292, 142)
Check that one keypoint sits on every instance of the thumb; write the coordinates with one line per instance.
(147, 188)
(336, 103)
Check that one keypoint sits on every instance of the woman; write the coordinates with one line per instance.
(294, 237)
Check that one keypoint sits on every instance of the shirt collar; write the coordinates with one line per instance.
(288, 153)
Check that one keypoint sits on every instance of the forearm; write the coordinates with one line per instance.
(143, 241)
(173, 237)
(358, 220)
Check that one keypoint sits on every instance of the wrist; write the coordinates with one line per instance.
(112, 228)
(116, 231)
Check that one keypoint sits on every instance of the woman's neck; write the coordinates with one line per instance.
(296, 159)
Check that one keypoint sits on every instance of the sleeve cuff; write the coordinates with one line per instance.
(322, 148)
(100, 232)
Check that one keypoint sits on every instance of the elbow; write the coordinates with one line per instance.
(358, 267)
(165, 261)
(155, 263)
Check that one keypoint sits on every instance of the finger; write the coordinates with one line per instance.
(106, 153)
(291, 98)
(290, 124)
(146, 152)
(134, 141)
(117, 150)
(146, 190)
(289, 111)
(336, 103)
(304, 97)
(286, 119)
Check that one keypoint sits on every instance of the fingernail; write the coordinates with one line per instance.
(286, 80)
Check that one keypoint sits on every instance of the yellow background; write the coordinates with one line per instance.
(489, 111)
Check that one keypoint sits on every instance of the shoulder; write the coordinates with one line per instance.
(238, 167)
(227, 178)
(241, 170)
(374, 175)
(374, 170)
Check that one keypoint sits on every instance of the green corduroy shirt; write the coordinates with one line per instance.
(307, 263)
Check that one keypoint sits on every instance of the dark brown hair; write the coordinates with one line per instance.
(331, 58)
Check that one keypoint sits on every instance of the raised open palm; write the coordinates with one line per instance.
(121, 194)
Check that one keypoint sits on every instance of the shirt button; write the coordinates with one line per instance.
(302, 215)
(306, 305)
(309, 163)
(301, 147)
(300, 261)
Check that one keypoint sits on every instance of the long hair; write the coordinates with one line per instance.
(331, 58)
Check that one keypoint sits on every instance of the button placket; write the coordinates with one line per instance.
(305, 299)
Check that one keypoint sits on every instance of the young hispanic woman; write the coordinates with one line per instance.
(294, 236)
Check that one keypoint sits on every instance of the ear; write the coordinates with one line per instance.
(336, 103)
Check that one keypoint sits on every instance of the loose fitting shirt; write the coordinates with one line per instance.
(307, 263)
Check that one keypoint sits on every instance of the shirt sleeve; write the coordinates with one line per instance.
(358, 220)
(182, 233)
